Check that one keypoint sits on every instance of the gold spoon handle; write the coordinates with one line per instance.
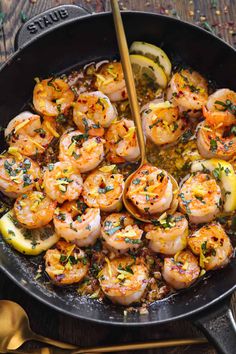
(140, 346)
(128, 74)
(121, 347)
(53, 342)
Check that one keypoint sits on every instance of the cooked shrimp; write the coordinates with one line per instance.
(81, 151)
(29, 134)
(182, 270)
(92, 112)
(77, 223)
(150, 190)
(220, 109)
(66, 264)
(62, 182)
(200, 198)
(110, 80)
(34, 209)
(212, 142)
(104, 190)
(213, 246)
(161, 122)
(188, 90)
(121, 142)
(124, 279)
(120, 232)
(168, 234)
(52, 97)
(18, 176)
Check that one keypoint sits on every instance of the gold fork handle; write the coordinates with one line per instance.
(128, 74)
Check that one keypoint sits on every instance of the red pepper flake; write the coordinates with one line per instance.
(162, 10)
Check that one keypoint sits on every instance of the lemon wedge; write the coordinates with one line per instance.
(224, 173)
(30, 242)
(152, 52)
(146, 69)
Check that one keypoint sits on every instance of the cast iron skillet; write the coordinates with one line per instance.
(58, 40)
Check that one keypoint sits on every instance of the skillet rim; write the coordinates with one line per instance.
(121, 324)
(44, 300)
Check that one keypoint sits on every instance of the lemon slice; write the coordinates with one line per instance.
(30, 242)
(146, 69)
(152, 52)
(224, 173)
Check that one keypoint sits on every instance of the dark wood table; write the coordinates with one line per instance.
(216, 16)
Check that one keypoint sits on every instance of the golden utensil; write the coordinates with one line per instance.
(135, 110)
(15, 328)
(121, 347)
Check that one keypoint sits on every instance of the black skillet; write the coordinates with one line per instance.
(66, 37)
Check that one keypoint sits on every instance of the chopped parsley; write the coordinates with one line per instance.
(204, 169)
(41, 132)
(8, 168)
(79, 219)
(105, 190)
(204, 247)
(102, 102)
(207, 251)
(186, 136)
(81, 206)
(95, 269)
(61, 216)
(132, 241)
(126, 269)
(136, 181)
(52, 84)
(61, 118)
(227, 106)
(73, 228)
(113, 230)
(233, 130)
(213, 145)
(200, 199)
(72, 260)
(96, 126)
(50, 166)
(217, 172)
(26, 165)
(27, 180)
(185, 202)
(84, 260)
(75, 155)
(174, 127)
(154, 124)
(85, 123)
(79, 138)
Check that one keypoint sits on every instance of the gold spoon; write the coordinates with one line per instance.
(118, 348)
(15, 328)
(135, 110)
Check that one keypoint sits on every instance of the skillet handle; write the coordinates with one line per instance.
(46, 21)
(219, 327)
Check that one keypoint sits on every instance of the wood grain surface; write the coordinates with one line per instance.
(217, 16)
